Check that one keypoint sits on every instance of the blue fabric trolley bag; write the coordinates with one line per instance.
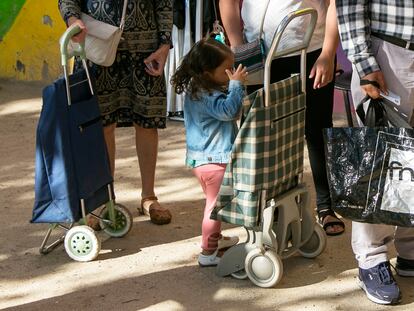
(71, 157)
(72, 175)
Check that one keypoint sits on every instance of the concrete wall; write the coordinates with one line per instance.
(29, 40)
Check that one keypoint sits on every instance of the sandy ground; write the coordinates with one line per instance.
(153, 267)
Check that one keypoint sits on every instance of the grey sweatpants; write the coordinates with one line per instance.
(370, 242)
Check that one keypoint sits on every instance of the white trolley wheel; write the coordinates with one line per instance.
(240, 275)
(263, 269)
(82, 244)
(315, 245)
(123, 221)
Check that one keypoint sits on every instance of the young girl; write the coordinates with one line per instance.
(210, 115)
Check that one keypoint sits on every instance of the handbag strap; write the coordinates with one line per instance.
(123, 15)
(215, 10)
(263, 19)
(217, 28)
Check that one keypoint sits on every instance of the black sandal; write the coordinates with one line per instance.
(323, 221)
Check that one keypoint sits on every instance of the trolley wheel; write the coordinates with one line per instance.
(263, 269)
(81, 243)
(123, 221)
(315, 245)
(240, 275)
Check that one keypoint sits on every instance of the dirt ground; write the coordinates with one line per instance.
(153, 267)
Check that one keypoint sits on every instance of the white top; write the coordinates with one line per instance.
(252, 13)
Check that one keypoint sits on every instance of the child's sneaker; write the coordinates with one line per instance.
(209, 260)
(404, 267)
(379, 284)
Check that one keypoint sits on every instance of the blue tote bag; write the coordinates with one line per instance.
(71, 157)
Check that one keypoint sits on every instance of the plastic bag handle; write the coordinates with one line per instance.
(375, 111)
(376, 114)
(369, 82)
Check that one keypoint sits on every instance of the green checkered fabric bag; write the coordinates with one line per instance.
(267, 153)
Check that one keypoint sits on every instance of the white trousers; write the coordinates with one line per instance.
(370, 242)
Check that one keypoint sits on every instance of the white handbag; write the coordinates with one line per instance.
(102, 39)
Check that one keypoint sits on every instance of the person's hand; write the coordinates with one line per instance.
(239, 74)
(371, 90)
(322, 71)
(80, 37)
(156, 61)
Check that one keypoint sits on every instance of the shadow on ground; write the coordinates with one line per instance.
(153, 267)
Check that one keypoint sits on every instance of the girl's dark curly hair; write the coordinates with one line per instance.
(205, 56)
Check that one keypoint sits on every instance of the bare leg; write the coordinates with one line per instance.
(109, 134)
(146, 142)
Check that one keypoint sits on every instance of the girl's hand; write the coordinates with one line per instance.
(322, 71)
(156, 61)
(80, 37)
(239, 74)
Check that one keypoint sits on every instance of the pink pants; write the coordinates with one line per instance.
(210, 177)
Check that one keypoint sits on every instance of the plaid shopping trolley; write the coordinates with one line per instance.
(267, 153)
(262, 188)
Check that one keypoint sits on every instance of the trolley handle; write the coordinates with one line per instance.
(75, 50)
(302, 47)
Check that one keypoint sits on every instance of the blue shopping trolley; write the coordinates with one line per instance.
(72, 174)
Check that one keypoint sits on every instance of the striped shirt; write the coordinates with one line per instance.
(359, 18)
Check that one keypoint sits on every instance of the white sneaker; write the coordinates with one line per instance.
(226, 242)
(209, 260)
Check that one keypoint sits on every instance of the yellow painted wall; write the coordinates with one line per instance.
(30, 49)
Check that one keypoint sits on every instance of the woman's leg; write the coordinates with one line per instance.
(146, 143)
(109, 134)
(319, 109)
(210, 177)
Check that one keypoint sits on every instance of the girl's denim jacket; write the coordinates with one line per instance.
(210, 124)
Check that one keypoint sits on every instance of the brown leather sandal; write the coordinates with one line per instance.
(94, 223)
(152, 208)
